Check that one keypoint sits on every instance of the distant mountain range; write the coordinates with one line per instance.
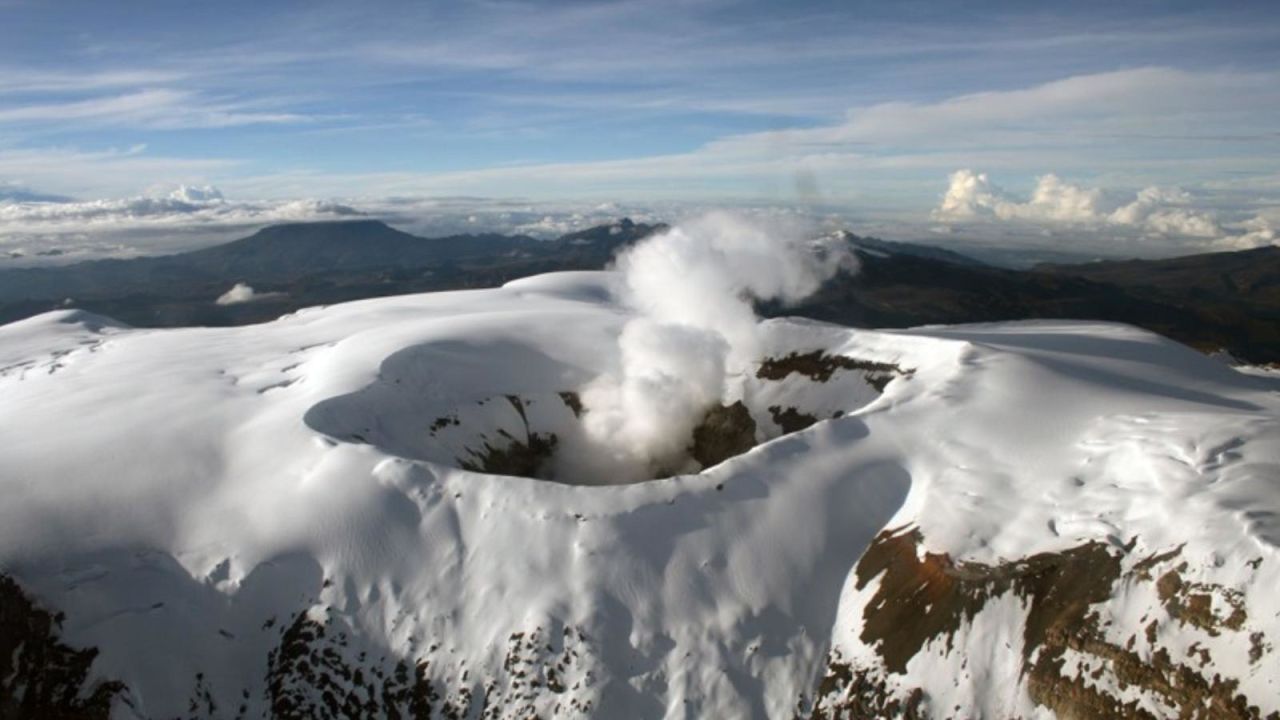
(277, 254)
(298, 265)
(1215, 301)
(20, 194)
(1212, 302)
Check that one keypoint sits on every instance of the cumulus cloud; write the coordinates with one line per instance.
(1055, 200)
(1166, 211)
(1155, 211)
(1255, 232)
(972, 195)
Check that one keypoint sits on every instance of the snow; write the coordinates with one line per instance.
(167, 489)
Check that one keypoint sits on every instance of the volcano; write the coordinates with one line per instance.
(361, 510)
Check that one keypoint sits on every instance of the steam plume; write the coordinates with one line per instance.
(694, 336)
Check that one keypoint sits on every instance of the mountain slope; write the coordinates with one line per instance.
(277, 520)
(1242, 274)
(1212, 302)
(876, 246)
(290, 251)
(1235, 293)
(279, 253)
(1192, 305)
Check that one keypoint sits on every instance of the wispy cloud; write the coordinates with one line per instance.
(1067, 124)
(1074, 110)
(104, 173)
(19, 79)
(675, 100)
(161, 108)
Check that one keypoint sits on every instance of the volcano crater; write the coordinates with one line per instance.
(528, 434)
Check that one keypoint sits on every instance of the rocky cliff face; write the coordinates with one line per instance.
(1075, 654)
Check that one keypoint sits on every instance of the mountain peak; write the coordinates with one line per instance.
(322, 229)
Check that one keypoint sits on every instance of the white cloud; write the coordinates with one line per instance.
(35, 232)
(969, 195)
(239, 293)
(160, 108)
(186, 205)
(1163, 210)
(1255, 232)
(167, 221)
(1137, 103)
(197, 194)
(243, 293)
(104, 173)
(437, 216)
(15, 79)
(972, 195)
(1056, 200)
(1153, 211)
(13, 191)
(1126, 124)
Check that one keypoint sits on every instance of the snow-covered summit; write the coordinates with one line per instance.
(294, 520)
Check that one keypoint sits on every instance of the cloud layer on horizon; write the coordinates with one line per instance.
(186, 205)
(1157, 212)
(973, 213)
(36, 228)
(189, 217)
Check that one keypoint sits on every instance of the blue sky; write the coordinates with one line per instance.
(868, 107)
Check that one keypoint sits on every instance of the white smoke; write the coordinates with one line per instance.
(693, 339)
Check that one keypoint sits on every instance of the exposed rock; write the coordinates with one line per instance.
(315, 673)
(522, 458)
(308, 676)
(1192, 603)
(924, 597)
(572, 401)
(40, 677)
(819, 367)
(441, 423)
(849, 693)
(791, 420)
(725, 431)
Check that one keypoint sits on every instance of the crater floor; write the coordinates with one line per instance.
(529, 434)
